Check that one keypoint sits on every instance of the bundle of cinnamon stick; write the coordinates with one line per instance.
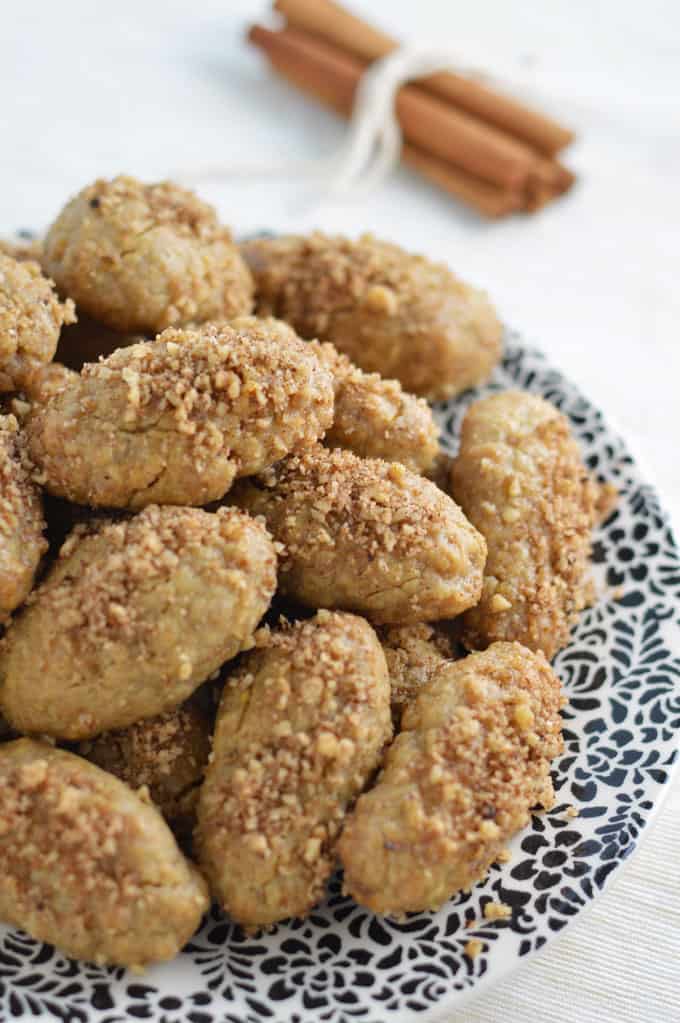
(482, 147)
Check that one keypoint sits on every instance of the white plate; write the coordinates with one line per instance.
(621, 672)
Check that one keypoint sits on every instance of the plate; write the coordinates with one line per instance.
(621, 673)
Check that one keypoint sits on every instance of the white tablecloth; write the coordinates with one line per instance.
(152, 87)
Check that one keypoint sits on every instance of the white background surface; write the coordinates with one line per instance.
(154, 87)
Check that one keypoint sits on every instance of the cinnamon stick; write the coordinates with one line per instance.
(331, 22)
(487, 199)
(426, 122)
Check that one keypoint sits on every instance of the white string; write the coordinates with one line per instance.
(371, 148)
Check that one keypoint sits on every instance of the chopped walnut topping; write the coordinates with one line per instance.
(21, 519)
(388, 310)
(153, 422)
(291, 786)
(86, 864)
(141, 257)
(519, 477)
(458, 781)
(368, 536)
(31, 317)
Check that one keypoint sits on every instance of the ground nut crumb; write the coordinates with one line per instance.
(606, 500)
(489, 830)
(473, 948)
(379, 299)
(524, 716)
(497, 911)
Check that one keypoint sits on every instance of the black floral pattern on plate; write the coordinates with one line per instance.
(622, 674)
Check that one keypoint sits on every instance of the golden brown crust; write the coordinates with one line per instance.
(413, 654)
(87, 865)
(390, 311)
(367, 536)
(301, 727)
(167, 755)
(22, 521)
(144, 257)
(471, 760)
(520, 479)
(376, 418)
(132, 617)
(31, 317)
(174, 421)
